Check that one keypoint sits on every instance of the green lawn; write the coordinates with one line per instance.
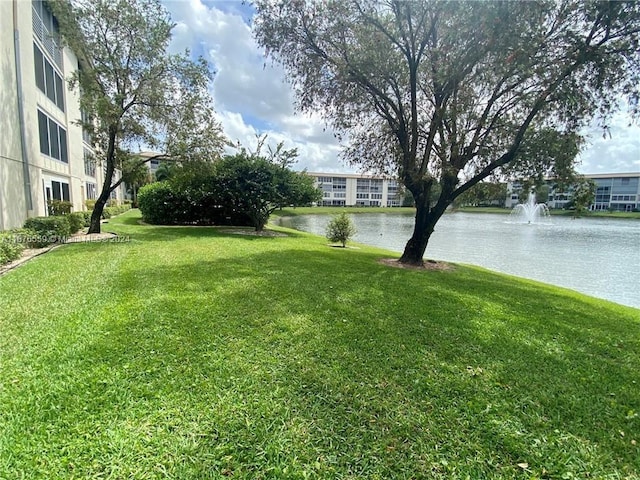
(190, 353)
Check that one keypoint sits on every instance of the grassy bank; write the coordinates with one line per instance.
(292, 212)
(192, 353)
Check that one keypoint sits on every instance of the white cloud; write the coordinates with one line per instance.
(617, 151)
(252, 97)
(250, 94)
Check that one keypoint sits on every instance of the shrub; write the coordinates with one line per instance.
(49, 229)
(27, 237)
(109, 212)
(86, 217)
(90, 204)
(10, 247)
(158, 203)
(59, 207)
(340, 229)
(76, 221)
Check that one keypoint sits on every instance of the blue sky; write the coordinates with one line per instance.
(253, 98)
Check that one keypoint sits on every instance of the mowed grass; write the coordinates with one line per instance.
(190, 353)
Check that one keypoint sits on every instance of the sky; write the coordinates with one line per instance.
(252, 96)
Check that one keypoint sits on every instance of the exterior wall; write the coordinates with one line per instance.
(357, 190)
(619, 192)
(13, 207)
(49, 176)
(614, 191)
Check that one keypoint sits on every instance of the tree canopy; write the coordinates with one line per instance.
(133, 91)
(444, 94)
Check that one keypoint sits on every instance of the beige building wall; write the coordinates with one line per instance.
(13, 206)
(48, 176)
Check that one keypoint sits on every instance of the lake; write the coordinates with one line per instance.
(596, 256)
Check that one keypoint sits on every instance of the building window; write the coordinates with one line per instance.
(89, 164)
(48, 80)
(86, 121)
(53, 138)
(90, 189)
(45, 28)
(60, 191)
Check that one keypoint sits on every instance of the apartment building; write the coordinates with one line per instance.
(341, 189)
(614, 191)
(44, 153)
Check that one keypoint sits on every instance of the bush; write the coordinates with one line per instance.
(10, 246)
(59, 207)
(76, 221)
(158, 204)
(27, 237)
(90, 204)
(340, 229)
(109, 212)
(86, 217)
(49, 229)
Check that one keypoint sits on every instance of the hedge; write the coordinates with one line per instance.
(49, 229)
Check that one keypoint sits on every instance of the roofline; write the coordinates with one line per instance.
(351, 175)
(612, 175)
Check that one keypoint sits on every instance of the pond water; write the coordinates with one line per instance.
(596, 256)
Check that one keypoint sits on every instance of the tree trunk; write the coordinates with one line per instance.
(425, 223)
(107, 188)
(96, 215)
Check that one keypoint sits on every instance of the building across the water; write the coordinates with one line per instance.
(618, 192)
(347, 189)
(44, 152)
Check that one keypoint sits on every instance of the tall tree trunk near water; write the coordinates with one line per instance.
(425, 222)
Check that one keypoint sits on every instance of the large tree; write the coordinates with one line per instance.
(445, 94)
(133, 92)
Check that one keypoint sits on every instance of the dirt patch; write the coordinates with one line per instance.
(428, 265)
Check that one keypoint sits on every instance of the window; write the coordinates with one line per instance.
(86, 121)
(48, 80)
(90, 189)
(60, 190)
(45, 28)
(89, 164)
(53, 138)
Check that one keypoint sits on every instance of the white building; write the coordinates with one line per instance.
(614, 191)
(43, 152)
(344, 189)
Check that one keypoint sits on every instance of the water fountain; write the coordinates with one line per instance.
(529, 212)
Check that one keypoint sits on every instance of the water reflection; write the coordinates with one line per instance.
(596, 256)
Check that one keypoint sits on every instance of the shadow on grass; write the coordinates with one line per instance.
(371, 369)
(131, 224)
